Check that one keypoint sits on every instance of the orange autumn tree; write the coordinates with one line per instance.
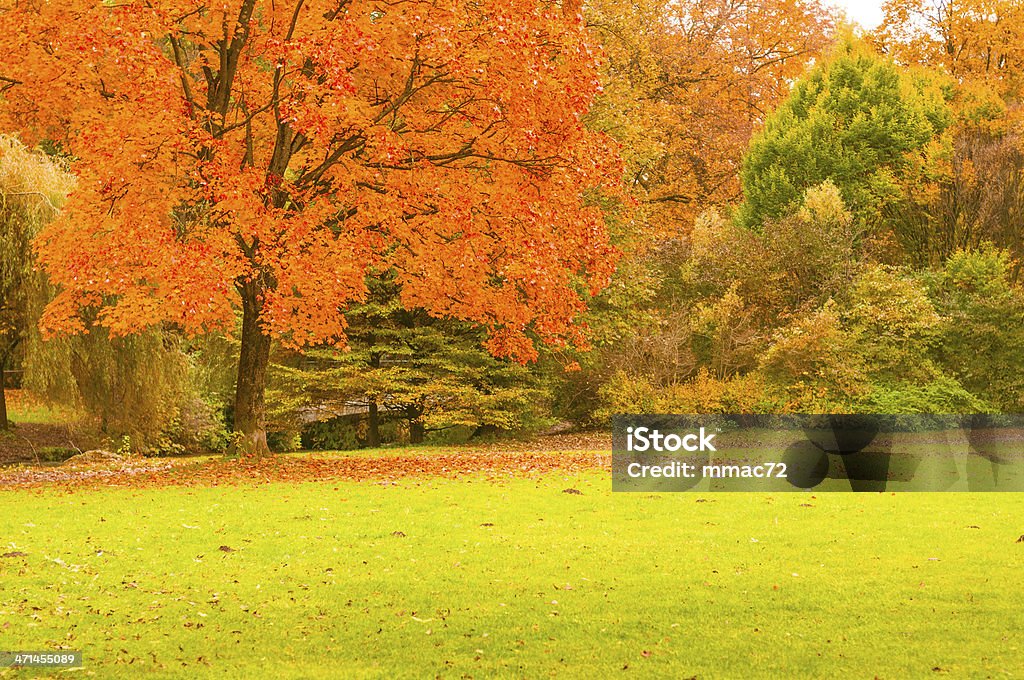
(980, 45)
(687, 84)
(265, 156)
(978, 42)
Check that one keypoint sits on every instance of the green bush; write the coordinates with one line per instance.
(336, 434)
(285, 441)
(346, 433)
(943, 395)
(982, 337)
(54, 454)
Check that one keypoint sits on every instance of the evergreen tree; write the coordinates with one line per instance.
(406, 365)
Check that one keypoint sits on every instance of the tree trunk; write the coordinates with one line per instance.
(4, 422)
(3, 400)
(373, 429)
(373, 426)
(250, 405)
(416, 431)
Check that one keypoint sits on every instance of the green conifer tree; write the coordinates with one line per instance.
(405, 365)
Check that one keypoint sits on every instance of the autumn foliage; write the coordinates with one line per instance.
(687, 84)
(496, 465)
(978, 42)
(266, 156)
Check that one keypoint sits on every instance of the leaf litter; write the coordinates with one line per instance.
(143, 473)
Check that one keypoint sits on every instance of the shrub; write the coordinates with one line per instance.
(894, 324)
(943, 395)
(814, 364)
(982, 337)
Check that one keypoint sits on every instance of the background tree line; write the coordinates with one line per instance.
(818, 222)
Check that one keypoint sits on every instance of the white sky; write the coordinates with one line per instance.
(867, 13)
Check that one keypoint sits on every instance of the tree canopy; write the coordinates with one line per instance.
(975, 41)
(686, 84)
(856, 120)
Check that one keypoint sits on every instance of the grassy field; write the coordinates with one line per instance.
(477, 578)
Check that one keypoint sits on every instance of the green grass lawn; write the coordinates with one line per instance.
(513, 579)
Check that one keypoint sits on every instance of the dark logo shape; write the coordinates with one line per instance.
(847, 435)
(841, 433)
(806, 464)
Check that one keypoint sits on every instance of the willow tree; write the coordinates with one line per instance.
(32, 188)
